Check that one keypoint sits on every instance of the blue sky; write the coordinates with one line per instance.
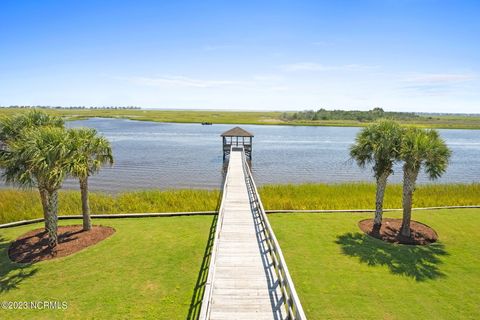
(409, 55)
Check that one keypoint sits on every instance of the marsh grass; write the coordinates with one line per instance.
(21, 205)
(230, 117)
(362, 196)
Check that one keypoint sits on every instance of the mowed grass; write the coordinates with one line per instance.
(340, 273)
(146, 270)
(23, 205)
(362, 196)
(149, 269)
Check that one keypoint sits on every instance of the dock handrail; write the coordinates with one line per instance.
(207, 295)
(292, 301)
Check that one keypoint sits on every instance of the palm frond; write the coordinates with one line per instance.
(378, 144)
(89, 152)
(426, 148)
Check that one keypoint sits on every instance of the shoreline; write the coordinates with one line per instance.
(212, 213)
(266, 118)
(18, 204)
(332, 123)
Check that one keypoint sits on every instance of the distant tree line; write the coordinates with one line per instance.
(363, 116)
(75, 107)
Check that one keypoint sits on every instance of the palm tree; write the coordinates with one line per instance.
(15, 163)
(420, 147)
(90, 152)
(378, 144)
(38, 157)
(12, 127)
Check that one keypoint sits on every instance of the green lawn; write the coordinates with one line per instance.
(148, 269)
(341, 273)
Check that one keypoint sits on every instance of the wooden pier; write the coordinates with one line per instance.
(237, 137)
(248, 277)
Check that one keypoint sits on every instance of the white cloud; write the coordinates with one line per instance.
(215, 47)
(322, 43)
(255, 81)
(312, 66)
(437, 84)
(279, 88)
(439, 78)
(304, 66)
(180, 81)
(268, 77)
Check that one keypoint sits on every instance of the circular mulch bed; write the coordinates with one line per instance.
(33, 245)
(421, 234)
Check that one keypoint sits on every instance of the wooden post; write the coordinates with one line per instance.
(251, 148)
(223, 147)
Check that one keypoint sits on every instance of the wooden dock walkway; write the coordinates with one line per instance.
(244, 280)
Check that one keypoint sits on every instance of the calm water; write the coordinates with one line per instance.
(164, 155)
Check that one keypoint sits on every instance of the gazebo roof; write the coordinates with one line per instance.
(236, 132)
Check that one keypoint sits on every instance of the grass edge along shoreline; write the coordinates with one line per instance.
(210, 213)
(16, 205)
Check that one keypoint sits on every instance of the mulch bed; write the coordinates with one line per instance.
(421, 234)
(33, 245)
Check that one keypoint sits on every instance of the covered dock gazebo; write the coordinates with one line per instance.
(237, 137)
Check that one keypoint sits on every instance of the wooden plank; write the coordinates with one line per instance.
(243, 282)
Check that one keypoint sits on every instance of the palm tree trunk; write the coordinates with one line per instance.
(409, 178)
(44, 200)
(87, 222)
(381, 186)
(51, 221)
